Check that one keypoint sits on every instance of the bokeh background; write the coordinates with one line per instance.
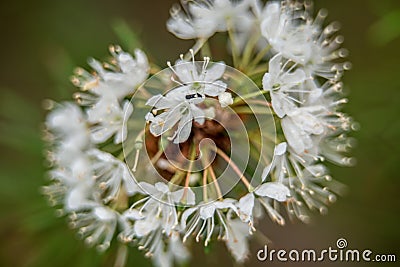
(42, 41)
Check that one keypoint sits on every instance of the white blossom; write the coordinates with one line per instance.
(225, 99)
(270, 190)
(237, 241)
(111, 175)
(159, 208)
(97, 226)
(78, 178)
(68, 127)
(180, 104)
(117, 81)
(204, 18)
(166, 254)
(203, 219)
(301, 124)
(179, 110)
(282, 83)
(108, 118)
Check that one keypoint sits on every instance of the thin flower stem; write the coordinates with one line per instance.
(176, 179)
(205, 173)
(138, 145)
(205, 50)
(235, 50)
(214, 178)
(248, 51)
(259, 102)
(157, 156)
(154, 68)
(122, 256)
(247, 96)
(260, 55)
(196, 48)
(136, 160)
(258, 70)
(189, 171)
(234, 167)
(256, 146)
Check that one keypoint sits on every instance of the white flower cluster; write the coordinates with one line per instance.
(280, 46)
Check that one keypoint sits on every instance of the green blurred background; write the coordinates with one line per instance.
(42, 41)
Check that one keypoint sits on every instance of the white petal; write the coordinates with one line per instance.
(207, 211)
(132, 214)
(266, 171)
(245, 207)
(225, 99)
(215, 72)
(214, 88)
(189, 199)
(292, 135)
(186, 71)
(160, 102)
(296, 77)
(104, 214)
(148, 188)
(198, 114)
(280, 149)
(144, 227)
(267, 82)
(184, 128)
(100, 134)
(237, 240)
(281, 104)
(77, 198)
(185, 216)
(161, 187)
(274, 190)
(227, 203)
(275, 67)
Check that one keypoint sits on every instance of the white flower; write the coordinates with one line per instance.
(77, 177)
(68, 121)
(225, 99)
(108, 118)
(116, 81)
(245, 208)
(203, 219)
(68, 125)
(97, 226)
(203, 79)
(277, 162)
(179, 110)
(111, 175)
(301, 124)
(159, 208)
(165, 255)
(237, 241)
(270, 190)
(281, 84)
(273, 190)
(204, 18)
(290, 30)
(180, 104)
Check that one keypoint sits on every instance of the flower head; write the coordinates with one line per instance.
(199, 149)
